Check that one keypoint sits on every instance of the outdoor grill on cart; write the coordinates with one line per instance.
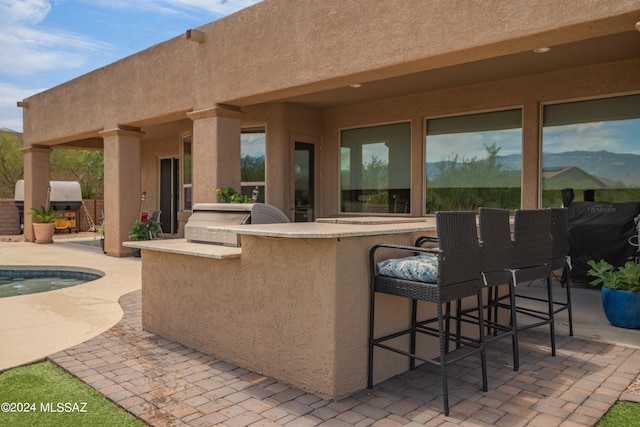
(64, 196)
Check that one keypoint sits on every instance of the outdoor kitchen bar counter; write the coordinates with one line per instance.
(292, 303)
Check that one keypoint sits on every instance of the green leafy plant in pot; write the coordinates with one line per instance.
(620, 291)
(43, 231)
(229, 195)
(100, 235)
(143, 230)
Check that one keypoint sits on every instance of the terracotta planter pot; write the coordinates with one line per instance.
(622, 308)
(43, 233)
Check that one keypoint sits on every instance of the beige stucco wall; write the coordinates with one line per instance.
(36, 182)
(272, 49)
(389, 38)
(296, 310)
(285, 123)
(257, 57)
(122, 190)
(528, 93)
(296, 123)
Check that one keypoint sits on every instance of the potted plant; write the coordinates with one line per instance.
(44, 230)
(620, 292)
(229, 195)
(143, 230)
(100, 235)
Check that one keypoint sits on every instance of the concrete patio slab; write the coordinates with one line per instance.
(34, 326)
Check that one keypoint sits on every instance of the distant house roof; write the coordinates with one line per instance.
(568, 176)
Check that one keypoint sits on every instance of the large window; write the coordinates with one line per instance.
(375, 168)
(252, 163)
(186, 173)
(592, 147)
(474, 160)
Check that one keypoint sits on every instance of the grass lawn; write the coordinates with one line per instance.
(621, 414)
(44, 395)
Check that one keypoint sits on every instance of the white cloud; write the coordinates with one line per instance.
(29, 48)
(588, 127)
(253, 144)
(473, 144)
(11, 114)
(217, 7)
(41, 50)
(221, 7)
(23, 11)
(613, 136)
(593, 136)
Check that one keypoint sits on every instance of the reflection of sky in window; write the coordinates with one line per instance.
(616, 136)
(252, 144)
(472, 144)
(379, 150)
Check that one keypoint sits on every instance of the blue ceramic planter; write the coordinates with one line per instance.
(622, 308)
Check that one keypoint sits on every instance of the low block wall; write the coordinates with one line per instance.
(10, 216)
(95, 208)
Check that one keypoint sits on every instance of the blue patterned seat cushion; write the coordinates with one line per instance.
(419, 268)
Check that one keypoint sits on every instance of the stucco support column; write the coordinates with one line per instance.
(532, 168)
(215, 151)
(36, 181)
(121, 187)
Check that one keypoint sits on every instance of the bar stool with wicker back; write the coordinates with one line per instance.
(532, 249)
(435, 275)
(559, 261)
(496, 249)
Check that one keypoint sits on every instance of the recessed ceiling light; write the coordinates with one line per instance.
(542, 49)
(355, 85)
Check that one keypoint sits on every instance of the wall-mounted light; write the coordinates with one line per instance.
(355, 85)
(638, 25)
(22, 104)
(541, 49)
(195, 36)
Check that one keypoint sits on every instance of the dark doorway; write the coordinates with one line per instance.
(304, 181)
(169, 176)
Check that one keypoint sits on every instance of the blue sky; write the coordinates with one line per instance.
(615, 136)
(44, 43)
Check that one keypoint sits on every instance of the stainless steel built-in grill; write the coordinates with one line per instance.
(218, 214)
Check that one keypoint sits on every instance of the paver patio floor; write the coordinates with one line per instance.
(167, 384)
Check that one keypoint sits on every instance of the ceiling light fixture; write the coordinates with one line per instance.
(541, 49)
(355, 85)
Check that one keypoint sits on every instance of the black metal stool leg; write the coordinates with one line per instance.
(443, 361)
(414, 323)
(371, 331)
(552, 326)
(514, 325)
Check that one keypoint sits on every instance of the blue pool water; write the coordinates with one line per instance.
(20, 280)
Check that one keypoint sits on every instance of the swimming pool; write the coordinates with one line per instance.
(21, 280)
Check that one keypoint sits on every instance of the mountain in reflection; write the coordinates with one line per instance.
(603, 166)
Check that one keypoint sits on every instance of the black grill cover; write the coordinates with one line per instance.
(600, 231)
